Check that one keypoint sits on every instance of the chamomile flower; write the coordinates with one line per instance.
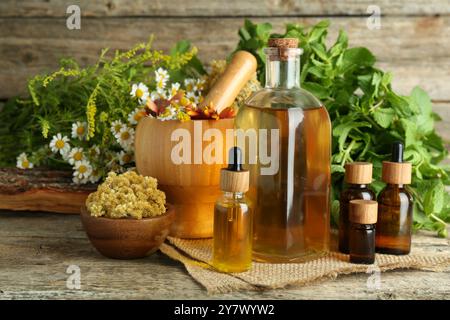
(95, 176)
(94, 152)
(75, 155)
(82, 171)
(154, 95)
(125, 157)
(76, 180)
(140, 91)
(60, 144)
(174, 89)
(126, 138)
(161, 77)
(136, 115)
(79, 130)
(201, 84)
(23, 162)
(170, 113)
(192, 97)
(116, 126)
(190, 85)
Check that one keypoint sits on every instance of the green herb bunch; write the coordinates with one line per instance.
(96, 95)
(367, 115)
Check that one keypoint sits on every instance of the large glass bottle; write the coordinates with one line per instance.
(287, 142)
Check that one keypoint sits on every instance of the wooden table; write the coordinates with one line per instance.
(37, 248)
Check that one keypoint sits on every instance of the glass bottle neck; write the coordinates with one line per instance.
(284, 72)
(357, 186)
(233, 195)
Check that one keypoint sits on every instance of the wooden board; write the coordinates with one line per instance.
(230, 8)
(415, 48)
(41, 190)
(36, 250)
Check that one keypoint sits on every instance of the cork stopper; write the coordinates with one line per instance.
(363, 211)
(358, 173)
(396, 171)
(234, 178)
(283, 43)
(282, 48)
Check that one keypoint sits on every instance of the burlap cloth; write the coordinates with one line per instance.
(196, 255)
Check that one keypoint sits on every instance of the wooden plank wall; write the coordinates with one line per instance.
(413, 42)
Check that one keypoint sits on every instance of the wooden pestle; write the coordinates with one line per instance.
(237, 73)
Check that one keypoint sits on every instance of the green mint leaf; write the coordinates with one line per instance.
(434, 198)
(357, 57)
(384, 116)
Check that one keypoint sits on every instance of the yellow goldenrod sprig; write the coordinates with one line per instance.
(91, 110)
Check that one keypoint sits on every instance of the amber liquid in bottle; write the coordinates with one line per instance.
(362, 243)
(394, 226)
(232, 251)
(291, 204)
(291, 215)
(353, 192)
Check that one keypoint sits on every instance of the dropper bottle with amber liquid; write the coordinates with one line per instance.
(395, 206)
(233, 230)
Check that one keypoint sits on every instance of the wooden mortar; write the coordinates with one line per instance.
(191, 188)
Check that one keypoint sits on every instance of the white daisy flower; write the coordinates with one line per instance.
(170, 113)
(161, 77)
(136, 115)
(60, 144)
(23, 162)
(75, 155)
(125, 157)
(94, 151)
(76, 180)
(174, 89)
(201, 84)
(192, 97)
(154, 95)
(95, 176)
(163, 94)
(82, 171)
(190, 85)
(126, 138)
(140, 91)
(116, 126)
(79, 130)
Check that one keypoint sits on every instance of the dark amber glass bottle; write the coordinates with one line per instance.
(363, 216)
(358, 175)
(395, 211)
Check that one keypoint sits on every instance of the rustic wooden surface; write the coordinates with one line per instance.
(413, 41)
(37, 248)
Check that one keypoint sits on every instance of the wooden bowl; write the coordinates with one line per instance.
(127, 238)
(192, 188)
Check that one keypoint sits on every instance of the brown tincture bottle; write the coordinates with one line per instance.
(363, 216)
(357, 176)
(395, 212)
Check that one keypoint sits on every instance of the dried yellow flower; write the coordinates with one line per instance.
(127, 195)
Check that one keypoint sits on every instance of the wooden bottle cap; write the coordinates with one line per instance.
(358, 172)
(234, 181)
(363, 211)
(396, 172)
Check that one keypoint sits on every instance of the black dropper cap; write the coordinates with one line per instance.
(235, 159)
(397, 152)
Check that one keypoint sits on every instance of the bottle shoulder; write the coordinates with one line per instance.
(283, 99)
(395, 195)
(226, 201)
